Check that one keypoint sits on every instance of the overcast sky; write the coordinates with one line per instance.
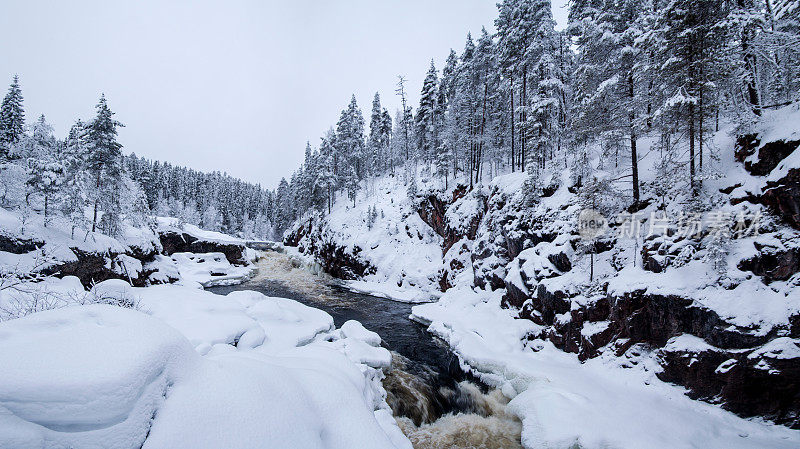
(235, 86)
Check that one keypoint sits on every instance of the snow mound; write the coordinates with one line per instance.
(312, 399)
(209, 269)
(276, 373)
(88, 376)
(354, 329)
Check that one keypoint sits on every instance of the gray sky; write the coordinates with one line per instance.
(235, 86)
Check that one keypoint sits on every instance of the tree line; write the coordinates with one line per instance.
(532, 98)
(85, 179)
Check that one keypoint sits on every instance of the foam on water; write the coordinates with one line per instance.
(432, 413)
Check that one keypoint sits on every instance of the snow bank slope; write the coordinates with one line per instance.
(89, 376)
(276, 373)
(402, 254)
(563, 402)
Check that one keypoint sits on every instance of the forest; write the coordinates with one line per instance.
(529, 97)
(87, 169)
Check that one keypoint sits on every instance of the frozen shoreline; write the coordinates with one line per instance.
(595, 404)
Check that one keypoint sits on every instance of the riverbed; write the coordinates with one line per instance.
(436, 404)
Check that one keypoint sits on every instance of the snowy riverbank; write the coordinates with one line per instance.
(596, 404)
(189, 368)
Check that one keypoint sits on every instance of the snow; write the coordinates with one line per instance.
(209, 269)
(779, 348)
(563, 402)
(405, 251)
(780, 124)
(688, 343)
(311, 399)
(354, 329)
(392, 292)
(86, 376)
(593, 328)
(175, 225)
(236, 371)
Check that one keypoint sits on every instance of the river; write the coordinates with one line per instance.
(435, 403)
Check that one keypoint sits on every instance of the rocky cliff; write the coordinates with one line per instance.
(717, 308)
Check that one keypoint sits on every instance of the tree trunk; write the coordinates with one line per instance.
(483, 126)
(691, 148)
(634, 157)
(750, 66)
(524, 124)
(701, 113)
(94, 218)
(511, 79)
(97, 200)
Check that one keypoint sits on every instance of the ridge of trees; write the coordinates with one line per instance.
(532, 98)
(86, 179)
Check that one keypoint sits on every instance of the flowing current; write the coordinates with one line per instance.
(435, 403)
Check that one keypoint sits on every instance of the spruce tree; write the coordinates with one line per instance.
(426, 120)
(104, 163)
(12, 118)
(375, 144)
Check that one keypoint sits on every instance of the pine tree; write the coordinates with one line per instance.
(104, 163)
(426, 119)
(687, 41)
(326, 178)
(609, 99)
(283, 207)
(350, 144)
(12, 118)
(46, 178)
(375, 144)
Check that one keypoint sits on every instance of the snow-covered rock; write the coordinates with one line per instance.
(594, 404)
(275, 373)
(86, 376)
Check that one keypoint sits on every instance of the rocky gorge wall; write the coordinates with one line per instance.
(134, 263)
(536, 257)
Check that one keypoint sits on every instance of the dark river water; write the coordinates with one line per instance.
(435, 402)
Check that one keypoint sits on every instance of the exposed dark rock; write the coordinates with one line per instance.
(514, 297)
(729, 189)
(651, 263)
(334, 259)
(549, 190)
(560, 261)
(174, 242)
(431, 210)
(773, 264)
(293, 238)
(92, 268)
(794, 326)
(783, 197)
(748, 386)
(338, 262)
(769, 154)
(18, 246)
(745, 146)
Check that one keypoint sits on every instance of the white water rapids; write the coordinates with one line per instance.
(432, 408)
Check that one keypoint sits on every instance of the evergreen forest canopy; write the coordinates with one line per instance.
(531, 98)
(87, 171)
(528, 98)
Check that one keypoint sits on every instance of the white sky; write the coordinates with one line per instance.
(236, 86)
